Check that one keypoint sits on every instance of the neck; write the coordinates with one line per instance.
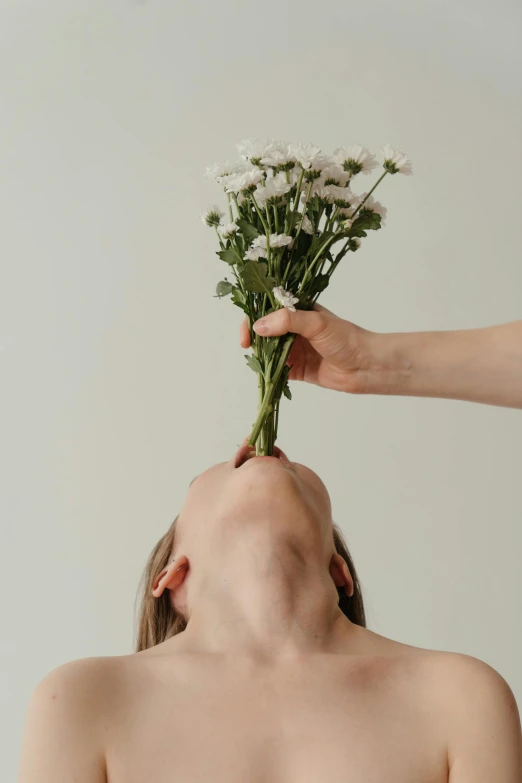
(266, 595)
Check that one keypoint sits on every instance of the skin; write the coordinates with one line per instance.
(269, 681)
(478, 365)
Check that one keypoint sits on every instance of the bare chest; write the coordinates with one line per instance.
(298, 729)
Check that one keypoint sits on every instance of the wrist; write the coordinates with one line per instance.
(386, 363)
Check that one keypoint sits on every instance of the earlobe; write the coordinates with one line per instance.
(341, 574)
(171, 576)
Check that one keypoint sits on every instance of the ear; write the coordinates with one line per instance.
(340, 573)
(171, 577)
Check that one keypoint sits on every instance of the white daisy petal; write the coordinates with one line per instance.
(273, 189)
(372, 205)
(228, 230)
(213, 215)
(355, 159)
(395, 161)
(309, 156)
(285, 298)
(307, 226)
(246, 181)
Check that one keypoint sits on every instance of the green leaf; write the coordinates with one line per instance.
(249, 231)
(319, 283)
(229, 255)
(269, 346)
(238, 298)
(365, 221)
(304, 241)
(286, 391)
(224, 288)
(356, 232)
(253, 363)
(321, 241)
(255, 278)
(240, 242)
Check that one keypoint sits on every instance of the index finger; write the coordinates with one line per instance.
(244, 334)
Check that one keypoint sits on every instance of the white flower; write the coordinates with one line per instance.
(372, 205)
(228, 230)
(255, 253)
(273, 188)
(246, 181)
(355, 243)
(295, 176)
(335, 175)
(259, 247)
(285, 298)
(319, 190)
(341, 197)
(355, 159)
(255, 149)
(395, 161)
(213, 215)
(278, 155)
(309, 156)
(347, 224)
(221, 172)
(279, 240)
(307, 225)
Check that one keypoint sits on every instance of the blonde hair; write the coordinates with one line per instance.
(159, 621)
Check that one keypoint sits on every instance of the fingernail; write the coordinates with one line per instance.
(261, 326)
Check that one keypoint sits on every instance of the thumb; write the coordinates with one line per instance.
(311, 324)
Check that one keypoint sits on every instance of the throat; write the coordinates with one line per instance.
(266, 607)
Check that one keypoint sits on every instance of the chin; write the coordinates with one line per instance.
(254, 469)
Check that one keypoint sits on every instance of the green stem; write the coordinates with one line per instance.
(230, 208)
(290, 258)
(261, 218)
(317, 255)
(340, 254)
(331, 219)
(296, 202)
(298, 194)
(287, 206)
(368, 194)
(276, 424)
(219, 238)
(268, 219)
(310, 185)
(265, 408)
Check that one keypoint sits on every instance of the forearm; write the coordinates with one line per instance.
(479, 365)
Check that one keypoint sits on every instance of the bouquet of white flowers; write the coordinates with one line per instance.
(292, 219)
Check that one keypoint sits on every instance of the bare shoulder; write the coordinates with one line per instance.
(456, 677)
(80, 682)
(462, 677)
(453, 680)
(83, 692)
(468, 706)
(66, 722)
(478, 710)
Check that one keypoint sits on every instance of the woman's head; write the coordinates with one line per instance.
(258, 497)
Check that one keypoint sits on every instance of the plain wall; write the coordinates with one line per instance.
(122, 376)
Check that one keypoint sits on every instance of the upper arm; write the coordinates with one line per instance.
(62, 732)
(485, 741)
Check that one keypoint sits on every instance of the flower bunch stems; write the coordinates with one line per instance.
(264, 429)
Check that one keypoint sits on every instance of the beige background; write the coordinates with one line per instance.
(122, 377)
